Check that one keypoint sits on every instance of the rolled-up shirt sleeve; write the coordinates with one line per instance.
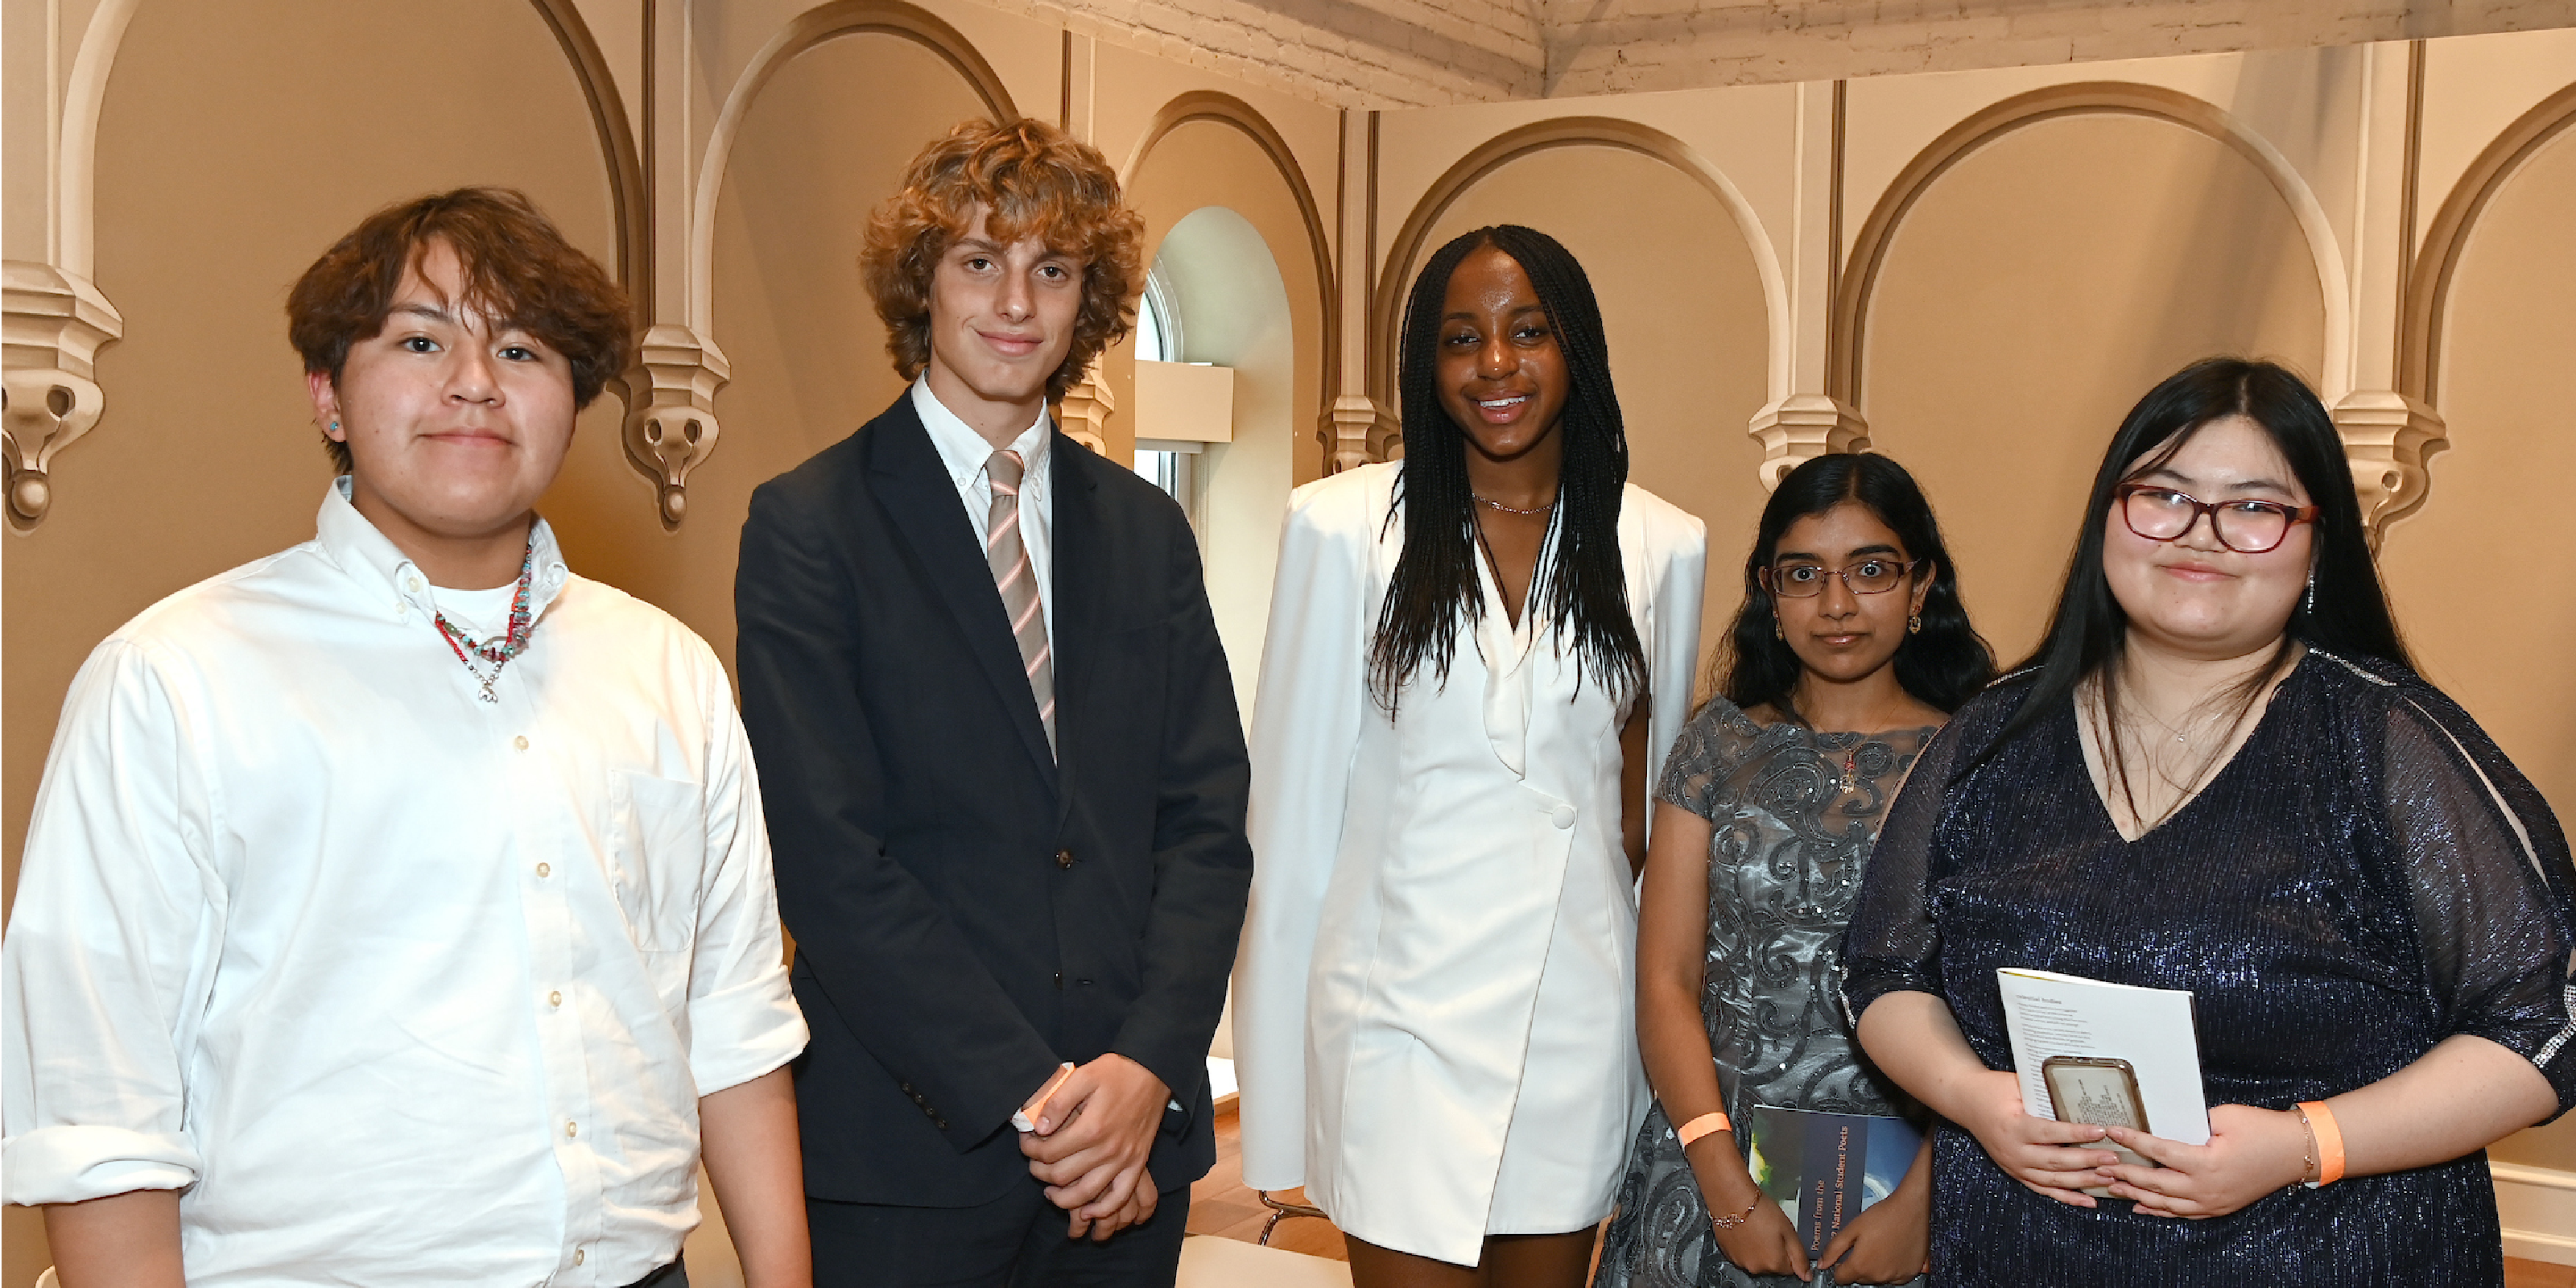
(112, 944)
(743, 1019)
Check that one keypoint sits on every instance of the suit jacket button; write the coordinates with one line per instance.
(1059, 979)
(1064, 858)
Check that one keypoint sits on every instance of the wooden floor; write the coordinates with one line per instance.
(1220, 1205)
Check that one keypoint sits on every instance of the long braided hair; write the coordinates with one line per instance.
(1579, 585)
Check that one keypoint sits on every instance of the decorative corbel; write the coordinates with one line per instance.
(1084, 413)
(1802, 427)
(671, 419)
(56, 323)
(1356, 432)
(2386, 437)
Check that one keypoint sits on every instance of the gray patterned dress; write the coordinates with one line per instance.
(1795, 813)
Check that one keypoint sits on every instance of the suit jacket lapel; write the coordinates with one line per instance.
(1078, 589)
(913, 485)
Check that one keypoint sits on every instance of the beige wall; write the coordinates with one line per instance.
(1683, 308)
(2035, 290)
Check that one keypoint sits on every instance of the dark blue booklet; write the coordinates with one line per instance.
(1825, 1168)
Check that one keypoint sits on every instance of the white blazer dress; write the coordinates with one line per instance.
(1435, 1003)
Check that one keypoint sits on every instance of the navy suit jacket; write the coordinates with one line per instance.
(968, 909)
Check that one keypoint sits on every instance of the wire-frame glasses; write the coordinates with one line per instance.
(1875, 575)
(2246, 526)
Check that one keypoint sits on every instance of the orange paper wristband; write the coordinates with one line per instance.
(1710, 1123)
(2321, 1123)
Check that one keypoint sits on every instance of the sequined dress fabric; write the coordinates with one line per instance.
(2366, 877)
(1793, 829)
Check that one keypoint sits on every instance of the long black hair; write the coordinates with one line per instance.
(2345, 613)
(1941, 665)
(1579, 584)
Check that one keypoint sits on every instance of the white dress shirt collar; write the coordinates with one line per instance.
(965, 452)
(389, 577)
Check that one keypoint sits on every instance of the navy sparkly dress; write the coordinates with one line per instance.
(2367, 876)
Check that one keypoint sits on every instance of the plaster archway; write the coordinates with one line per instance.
(825, 22)
(1870, 246)
(1405, 252)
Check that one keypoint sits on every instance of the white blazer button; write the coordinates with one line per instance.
(1562, 816)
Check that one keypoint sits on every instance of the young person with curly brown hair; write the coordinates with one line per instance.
(1006, 777)
(397, 907)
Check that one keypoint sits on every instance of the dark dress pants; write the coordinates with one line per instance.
(1016, 1241)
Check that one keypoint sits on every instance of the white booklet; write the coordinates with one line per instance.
(2098, 1029)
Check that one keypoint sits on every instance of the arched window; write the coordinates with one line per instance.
(1158, 339)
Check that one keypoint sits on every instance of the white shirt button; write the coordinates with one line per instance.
(520, 742)
(1562, 816)
(579, 1255)
(571, 1130)
(412, 584)
(544, 871)
(555, 998)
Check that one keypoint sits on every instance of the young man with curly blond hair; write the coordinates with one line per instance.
(397, 908)
(1006, 779)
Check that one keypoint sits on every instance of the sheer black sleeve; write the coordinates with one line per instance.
(2489, 877)
(1893, 945)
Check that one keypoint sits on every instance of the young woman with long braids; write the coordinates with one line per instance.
(1475, 656)
(1851, 648)
(2221, 773)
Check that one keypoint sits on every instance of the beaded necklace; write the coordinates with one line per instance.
(510, 645)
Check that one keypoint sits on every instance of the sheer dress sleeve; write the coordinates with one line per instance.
(1892, 945)
(2489, 878)
(1700, 760)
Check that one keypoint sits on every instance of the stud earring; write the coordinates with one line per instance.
(335, 424)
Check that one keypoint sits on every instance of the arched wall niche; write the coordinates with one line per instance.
(811, 28)
(1412, 239)
(2428, 297)
(1847, 339)
(1215, 198)
(826, 140)
(2033, 292)
(1227, 110)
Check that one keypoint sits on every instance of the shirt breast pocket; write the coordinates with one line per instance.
(657, 843)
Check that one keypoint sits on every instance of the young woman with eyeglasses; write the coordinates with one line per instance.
(1850, 650)
(2221, 773)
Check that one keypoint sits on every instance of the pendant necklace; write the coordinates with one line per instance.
(495, 653)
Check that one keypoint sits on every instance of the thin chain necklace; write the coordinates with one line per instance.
(497, 653)
(1510, 510)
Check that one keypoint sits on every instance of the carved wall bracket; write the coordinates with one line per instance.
(2386, 437)
(670, 418)
(56, 324)
(1801, 427)
(1084, 414)
(1356, 431)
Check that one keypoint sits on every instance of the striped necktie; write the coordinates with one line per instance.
(1018, 582)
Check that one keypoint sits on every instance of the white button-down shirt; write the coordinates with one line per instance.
(401, 986)
(968, 456)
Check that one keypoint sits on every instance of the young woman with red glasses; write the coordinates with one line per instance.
(2221, 773)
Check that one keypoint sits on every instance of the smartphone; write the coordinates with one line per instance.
(2099, 1091)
